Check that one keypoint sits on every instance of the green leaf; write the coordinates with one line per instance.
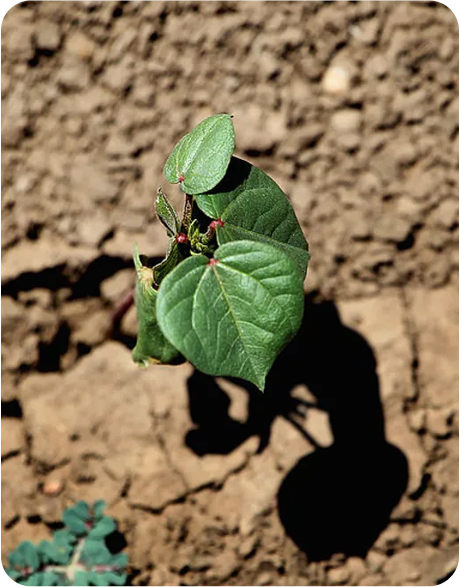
(74, 523)
(54, 552)
(29, 555)
(167, 214)
(34, 580)
(81, 508)
(50, 578)
(253, 207)
(99, 579)
(119, 560)
(76, 518)
(95, 552)
(63, 538)
(46, 551)
(232, 317)
(15, 558)
(200, 159)
(81, 578)
(98, 508)
(104, 527)
(151, 346)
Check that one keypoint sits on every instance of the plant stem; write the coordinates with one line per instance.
(74, 565)
(121, 309)
(209, 234)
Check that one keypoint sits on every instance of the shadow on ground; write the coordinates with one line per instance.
(337, 499)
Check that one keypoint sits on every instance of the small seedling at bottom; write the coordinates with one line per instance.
(76, 555)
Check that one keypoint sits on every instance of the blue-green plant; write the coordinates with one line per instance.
(76, 555)
(228, 296)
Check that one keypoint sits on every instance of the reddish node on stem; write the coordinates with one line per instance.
(213, 262)
(181, 238)
(215, 223)
(181, 179)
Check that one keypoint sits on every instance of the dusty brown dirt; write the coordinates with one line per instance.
(346, 471)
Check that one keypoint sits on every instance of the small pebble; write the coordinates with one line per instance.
(52, 488)
(336, 81)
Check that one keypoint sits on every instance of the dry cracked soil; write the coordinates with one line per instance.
(346, 471)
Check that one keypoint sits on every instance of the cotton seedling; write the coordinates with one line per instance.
(228, 296)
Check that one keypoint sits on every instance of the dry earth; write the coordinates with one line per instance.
(346, 471)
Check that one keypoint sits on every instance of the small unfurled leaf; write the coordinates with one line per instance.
(253, 207)
(200, 159)
(151, 346)
(167, 214)
(233, 314)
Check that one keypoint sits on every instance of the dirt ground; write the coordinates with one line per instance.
(346, 471)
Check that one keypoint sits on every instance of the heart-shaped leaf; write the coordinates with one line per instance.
(233, 314)
(151, 344)
(200, 159)
(253, 207)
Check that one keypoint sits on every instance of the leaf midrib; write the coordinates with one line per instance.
(224, 293)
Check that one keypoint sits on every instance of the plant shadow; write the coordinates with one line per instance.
(336, 499)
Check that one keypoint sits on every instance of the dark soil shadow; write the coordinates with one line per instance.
(337, 499)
